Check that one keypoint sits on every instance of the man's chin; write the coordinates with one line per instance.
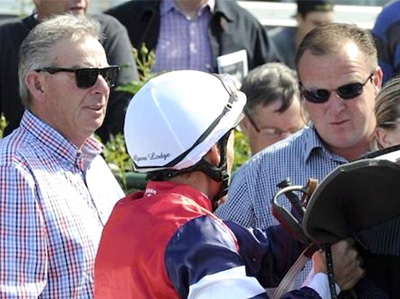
(94, 125)
(78, 12)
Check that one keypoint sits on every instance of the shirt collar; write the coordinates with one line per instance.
(167, 5)
(225, 9)
(211, 5)
(58, 144)
(314, 143)
(30, 21)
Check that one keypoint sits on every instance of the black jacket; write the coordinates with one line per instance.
(231, 28)
(118, 51)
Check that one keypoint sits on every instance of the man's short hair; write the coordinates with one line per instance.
(329, 39)
(306, 6)
(35, 51)
(269, 83)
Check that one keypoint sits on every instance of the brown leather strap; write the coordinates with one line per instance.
(287, 283)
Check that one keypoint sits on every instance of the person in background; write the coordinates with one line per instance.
(386, 32)
(339, 78)
(273, 110)
(115, 42)
(56, 190)
(387, 112)
(193, 34)
(310, 13)
(179, 129)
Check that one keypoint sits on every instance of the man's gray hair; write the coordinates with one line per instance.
(268, 83)
(36, 51)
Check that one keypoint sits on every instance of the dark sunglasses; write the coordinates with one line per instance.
(345, 92)
(87, 77)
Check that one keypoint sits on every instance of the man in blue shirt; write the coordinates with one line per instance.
(339, 79)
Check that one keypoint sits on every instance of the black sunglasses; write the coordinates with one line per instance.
(345, 92)
(87, 77)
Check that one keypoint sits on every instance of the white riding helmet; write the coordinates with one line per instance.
(177, 117)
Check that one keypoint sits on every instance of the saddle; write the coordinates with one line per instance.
(359, 200)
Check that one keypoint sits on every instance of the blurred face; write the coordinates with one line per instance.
(312, 20)
(389, 137)
(75, 112)
(272, 126)
(188, 6)
(46, 8)
(346, 126)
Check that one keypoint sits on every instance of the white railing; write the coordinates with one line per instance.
(280, 14)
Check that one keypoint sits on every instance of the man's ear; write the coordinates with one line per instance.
(378, 79)
(34, 82)
(214, 155)
(299, 19)
(382, 137)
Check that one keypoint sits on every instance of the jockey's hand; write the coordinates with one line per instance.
(346, 264)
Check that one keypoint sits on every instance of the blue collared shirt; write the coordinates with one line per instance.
(54, 202)
(298, 157)
(184, 42)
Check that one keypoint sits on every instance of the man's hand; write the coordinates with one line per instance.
(346, 264)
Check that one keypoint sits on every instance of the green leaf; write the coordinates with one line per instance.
(3, 125)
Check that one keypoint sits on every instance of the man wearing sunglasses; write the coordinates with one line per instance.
(56, 190)
(339, 80)
(115, 42)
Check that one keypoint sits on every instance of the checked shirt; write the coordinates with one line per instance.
(54, 202)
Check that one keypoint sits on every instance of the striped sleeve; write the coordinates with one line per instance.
(23, 255)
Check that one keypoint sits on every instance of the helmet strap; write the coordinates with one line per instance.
(217, 173)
